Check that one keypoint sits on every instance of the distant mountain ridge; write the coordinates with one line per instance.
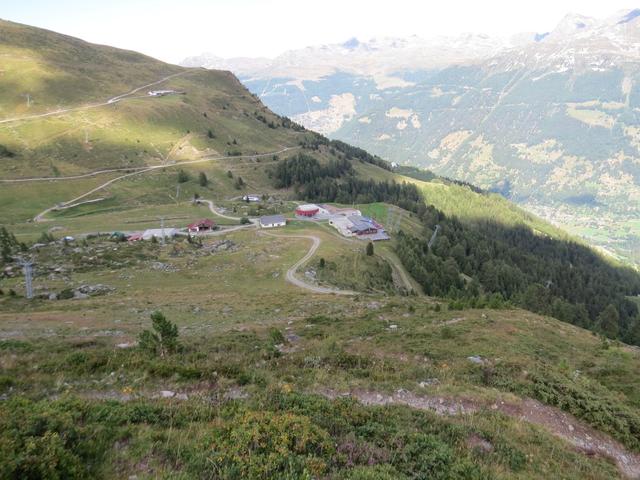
(616, 35)
(377, 57)
(550, 115)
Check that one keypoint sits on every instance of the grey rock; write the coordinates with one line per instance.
(478, 360)
(292, 337)
(429, 382)
(93, 290)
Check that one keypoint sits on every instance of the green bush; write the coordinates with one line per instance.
(16, 345)
(5, 152)
(81, 362)
(46, 237)
(6, 382)
(276, 336)
(376, 472)
(265, 445)
(183, 177)
(425, 456)
(47, 440)
(66, 294)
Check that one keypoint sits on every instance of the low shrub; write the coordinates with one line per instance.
(261, 445)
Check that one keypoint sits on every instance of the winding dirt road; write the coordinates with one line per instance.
(71, 203)
(212, 208)
(402, 275)
(70, 177)
(396, 265)
(291, 273)
(110, 101)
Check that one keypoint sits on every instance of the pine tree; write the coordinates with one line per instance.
(608, 321)
(369, 249)
(183, 176)
(163, 340)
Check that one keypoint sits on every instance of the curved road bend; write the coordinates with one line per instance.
(212, 207)
(291, 273)
(394, 262)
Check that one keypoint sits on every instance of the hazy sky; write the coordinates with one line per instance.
(172, 30)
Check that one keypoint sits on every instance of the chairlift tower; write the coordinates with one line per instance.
(390, 217)
(162, 230)
(433, 237)
(27, 268)
(396, 227)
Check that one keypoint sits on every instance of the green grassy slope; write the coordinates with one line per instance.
(63, 372)
(462, 202)
(60, 72)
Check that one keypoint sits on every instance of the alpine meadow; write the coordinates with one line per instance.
(363, 279)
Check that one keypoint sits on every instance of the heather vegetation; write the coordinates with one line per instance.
(257, 402)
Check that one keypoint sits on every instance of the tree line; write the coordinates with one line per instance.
(335, 181)
(302, 169)
(343, 150)
(9, 246)
(559, 278)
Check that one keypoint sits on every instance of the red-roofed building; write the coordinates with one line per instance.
(134, 237)
(203, 225)
(309, 210)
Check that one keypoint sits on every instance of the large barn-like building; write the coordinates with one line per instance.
(272, 221)
(203, 225)
(308, 210)
(159, 233)
(358, 226)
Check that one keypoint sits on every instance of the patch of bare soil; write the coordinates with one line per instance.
(561, 424)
